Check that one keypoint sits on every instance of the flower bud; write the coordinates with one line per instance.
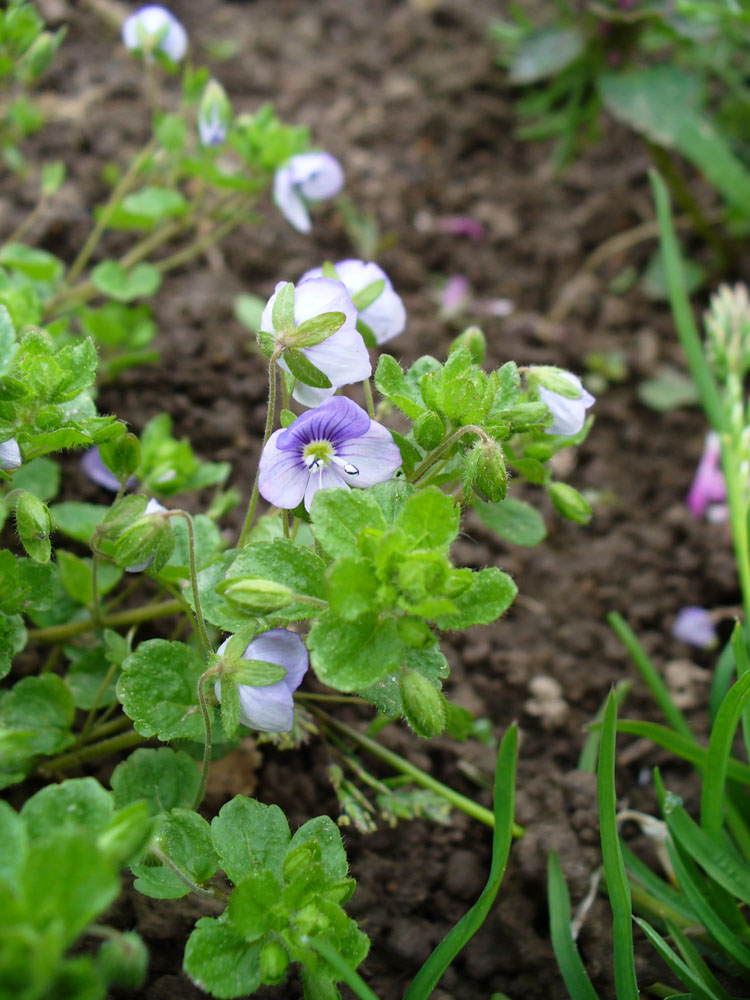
(414, 632)
(214, 115)
(253, 593)
(137, 546)
(570, 503)
(298, 861)
(485, 470)
(34, 524)
(122, 961)
(274, 961)
(154, 28)
(37, 58)
(126, 835)
(429, 430)
(474, 340)
(423, 705)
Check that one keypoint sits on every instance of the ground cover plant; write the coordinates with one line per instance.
(358, 552)
(477, 973)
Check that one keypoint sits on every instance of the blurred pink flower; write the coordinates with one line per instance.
(708, 490)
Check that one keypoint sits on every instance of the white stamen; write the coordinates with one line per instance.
(349, 469)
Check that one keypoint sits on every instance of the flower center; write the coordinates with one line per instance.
(316, 454)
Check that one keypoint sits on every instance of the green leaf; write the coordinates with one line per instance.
(158, 690)
(91, 679)
(248, 310)
(349, 656)
(8, 345)
(112, 280)
(250, 908)
(719, 752)
(287, 563)
(77, 802)
(39, 265)
(668, 390)
(155, 203)
(249, 836)
(490, 595)
(430, 518)
(514, 520)
(545, 53)
(13, 846)
(220, 962)
(365, 297)
(166, 779)
(351, 588)
(385, 695)
(43, 706)
(338, 517)
(322, 831)
(391, 382)
(13, 638)
(304, 370)
(41, 477)
(67, 883)
(185, 837)
(76, 577)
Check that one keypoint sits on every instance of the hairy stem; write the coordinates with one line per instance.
(270, 419)
(59, 633)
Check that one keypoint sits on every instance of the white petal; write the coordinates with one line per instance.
(318, 175)
(280, 645)
(288, 201)
(343, 357)
(10, 456)
(307, 395)
(323, 479)
(269, 709)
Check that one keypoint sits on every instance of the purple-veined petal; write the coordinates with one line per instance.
(695, 626)
(375, 455)
(323, 478)
(289, 202)
(569, 414)
(10, 456)
(151, 20)
(335, 420)
(282, 475)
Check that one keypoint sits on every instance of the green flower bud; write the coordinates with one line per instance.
(34, 524)
(424, 706)
(253, 593)
(489, 472)
(429, 430)
(474, 341)
(122, 961)
(214, 115)
(274, 961)
(570, 503)
(430, 388)
(37, 58)
(298, 861)
(148, 536)
(122, 457)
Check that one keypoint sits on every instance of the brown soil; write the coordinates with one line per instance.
(422, 120)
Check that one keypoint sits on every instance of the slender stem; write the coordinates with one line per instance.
(105, 729)
(441, 449)
(96, 608)
(738, 515)
(92, 711)
(121, 188)
(285, 522)
(18, 234)
(213, 893)
(208, 731)
(270, 419)
(368, 397)
(202, 631)
(58, 633)
(93, 750)
(417, 775)
(337, 698)
(53, 658)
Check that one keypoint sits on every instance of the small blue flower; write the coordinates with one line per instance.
(385, 315)
(214, 115)
(307, 177)
(343, 356)
(569, 414)
(152, 27)
(10, 455)
(695, 626)
(271, 709)
(334, 446)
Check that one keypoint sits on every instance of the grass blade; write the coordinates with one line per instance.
(626, 987)
(681, 311)
(649, 674)
(681, 747)
(590, 751)
(739, 648)
(346, 973)
(693, 959)
(569, 961)
(717, 758)
(669, 902)
(676, 964)
(503, 807)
